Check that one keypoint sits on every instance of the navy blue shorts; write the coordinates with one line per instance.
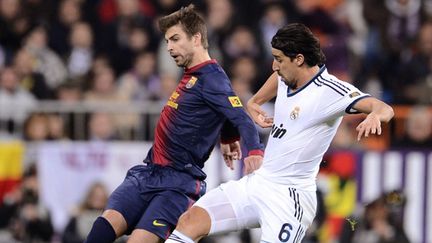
(153, 197)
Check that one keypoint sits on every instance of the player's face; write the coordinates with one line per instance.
(179, 45)
(285, 67)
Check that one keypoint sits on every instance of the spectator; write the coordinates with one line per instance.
(68, 13)
(103, 87)
(241, 42)
(36, 127)
(332, 35)
(104, 91)
(81, 221)
(101, 127)
(418, 130)
(69, 92)
(220, 20)
(415, 74)
(379, 223)
(142, 82)
(34, 82)
(246, 68)
(393, 26)
(56, 127)
(80, 57)
(274, 17)
(39, 11)
(15, 102)
(138, 40)
(13, 26)
(27, 220)
(168, 85)
(47, 61)
(116, 36)
(165, 7)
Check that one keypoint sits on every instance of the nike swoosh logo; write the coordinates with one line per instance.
(156, 223)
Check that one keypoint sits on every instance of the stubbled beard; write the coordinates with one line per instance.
(291, 85)
(187, 59)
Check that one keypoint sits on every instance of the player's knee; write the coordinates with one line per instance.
(194, 222)
(185, 220)
(116, 220)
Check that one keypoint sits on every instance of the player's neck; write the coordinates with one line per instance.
(307, 75)
(199, 57)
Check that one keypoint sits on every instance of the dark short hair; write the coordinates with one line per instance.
(296, 38)
(191, 22)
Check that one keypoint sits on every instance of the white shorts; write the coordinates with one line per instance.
(284, 213)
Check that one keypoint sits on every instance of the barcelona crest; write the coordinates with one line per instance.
(191, 82)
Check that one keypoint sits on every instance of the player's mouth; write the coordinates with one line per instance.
(177, 58)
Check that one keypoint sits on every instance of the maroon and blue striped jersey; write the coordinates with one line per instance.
(191, 121)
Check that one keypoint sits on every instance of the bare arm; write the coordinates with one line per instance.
(267, 92)
(377, 111)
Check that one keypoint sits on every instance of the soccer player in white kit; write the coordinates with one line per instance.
(280, 196)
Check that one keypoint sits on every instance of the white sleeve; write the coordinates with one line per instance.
(340, 97)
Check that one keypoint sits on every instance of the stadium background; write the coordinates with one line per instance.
(82, 84)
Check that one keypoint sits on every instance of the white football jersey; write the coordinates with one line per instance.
(305, 123)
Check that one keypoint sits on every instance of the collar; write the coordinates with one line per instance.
(200, 65)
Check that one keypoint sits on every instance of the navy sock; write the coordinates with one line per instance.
(101, 232)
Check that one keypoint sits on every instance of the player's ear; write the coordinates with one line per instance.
(197, 39)
(299, 60)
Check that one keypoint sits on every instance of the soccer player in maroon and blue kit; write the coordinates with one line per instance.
(203, 108)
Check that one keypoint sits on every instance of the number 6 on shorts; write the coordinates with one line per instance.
(285, 232)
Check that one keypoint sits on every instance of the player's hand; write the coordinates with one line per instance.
(231, 152)
(370, 125)
(252, 163)
(259, 116)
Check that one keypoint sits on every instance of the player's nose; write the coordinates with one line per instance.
(169, 47)
(275, 66)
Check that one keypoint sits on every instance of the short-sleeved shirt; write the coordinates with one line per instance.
(305, 123)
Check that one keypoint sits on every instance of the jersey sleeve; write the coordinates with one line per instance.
(340, 99)
(229, 133)
(218, 93)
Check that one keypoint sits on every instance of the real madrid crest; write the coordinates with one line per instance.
(191, 82)
(295, 113)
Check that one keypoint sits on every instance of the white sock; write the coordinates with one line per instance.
(177, 236)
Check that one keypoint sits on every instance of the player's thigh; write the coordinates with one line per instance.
(229, 207)
(127, 201)
(163, 212)
(141, 235)
(287, 213)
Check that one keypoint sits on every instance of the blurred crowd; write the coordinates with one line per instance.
(105, 53)
(23, 218)
(110, 52)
